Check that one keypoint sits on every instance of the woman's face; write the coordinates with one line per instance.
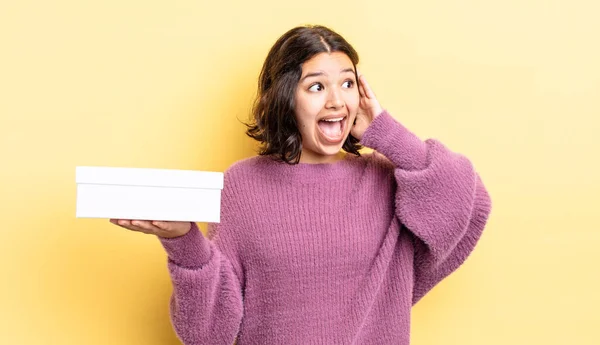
(326, 104)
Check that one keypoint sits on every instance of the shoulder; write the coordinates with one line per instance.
(246, 167)
(378, 162)
(247, 175)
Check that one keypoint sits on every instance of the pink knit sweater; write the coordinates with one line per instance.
(328, 253)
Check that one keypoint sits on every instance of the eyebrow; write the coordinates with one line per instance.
(316, 74)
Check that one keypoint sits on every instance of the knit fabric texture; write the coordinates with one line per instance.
(328, 253)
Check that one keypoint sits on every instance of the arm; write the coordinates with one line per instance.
(207, 304)
(439, 198)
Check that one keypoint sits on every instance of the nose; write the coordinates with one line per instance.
(334, 99)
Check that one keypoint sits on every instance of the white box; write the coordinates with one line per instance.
(148, 194)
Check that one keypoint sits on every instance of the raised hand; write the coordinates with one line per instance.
(369, 108)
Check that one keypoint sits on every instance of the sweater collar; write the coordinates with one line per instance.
(308, 172)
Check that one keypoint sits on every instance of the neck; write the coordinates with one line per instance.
(318, 159)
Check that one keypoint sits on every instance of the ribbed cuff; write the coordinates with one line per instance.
(390, 138)
(191, 250)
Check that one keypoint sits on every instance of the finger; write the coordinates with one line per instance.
(164, 226)
(160, 225)
(127, 224)
(361, 89)
(124, 223)
(145, 225)
(361, 92)
(367, 88)
(363, 85)
(120, 223)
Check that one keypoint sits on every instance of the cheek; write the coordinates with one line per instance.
(352, 102)
(306, 110)
(302, 118)
(299, 112)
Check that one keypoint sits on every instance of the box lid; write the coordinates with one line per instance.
(149, 177)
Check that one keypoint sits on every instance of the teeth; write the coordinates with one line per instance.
(333, 120)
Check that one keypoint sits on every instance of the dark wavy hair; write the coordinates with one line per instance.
(273, 122)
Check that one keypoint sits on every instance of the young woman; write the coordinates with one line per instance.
(317, 243)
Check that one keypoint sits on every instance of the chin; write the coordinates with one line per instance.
(325, 151)
(332, 150)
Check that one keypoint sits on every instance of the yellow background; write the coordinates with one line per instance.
(514, 85)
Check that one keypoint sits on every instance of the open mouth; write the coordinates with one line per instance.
(332, 128)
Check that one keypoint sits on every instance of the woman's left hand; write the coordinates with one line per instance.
(369, 108)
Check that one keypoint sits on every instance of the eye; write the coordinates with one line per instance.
(316, 87)
(348, 84)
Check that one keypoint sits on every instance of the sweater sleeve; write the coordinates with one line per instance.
(440, 199)
(206, 305)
